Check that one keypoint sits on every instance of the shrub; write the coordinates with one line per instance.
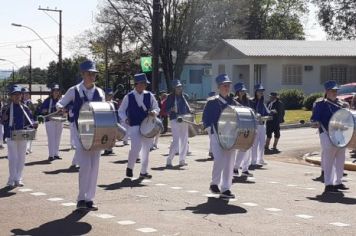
(309, 101)
(292, 98)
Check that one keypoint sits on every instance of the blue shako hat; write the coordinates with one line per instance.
(259, 87)
(88, 65)
(239, 87)
(176, 83)
(139, 78)
(331, 84)
(222, 79)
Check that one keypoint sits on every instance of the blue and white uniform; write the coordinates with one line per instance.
(176, 106)
(53, 128)
(88, 160)
(16, 117)
(134, 109)
(260, 139)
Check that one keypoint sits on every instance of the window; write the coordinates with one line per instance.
(342, 74)
(221, 69)
(196, 76)
(292, 75)
(257, 74)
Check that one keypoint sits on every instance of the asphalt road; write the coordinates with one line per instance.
(281, 199)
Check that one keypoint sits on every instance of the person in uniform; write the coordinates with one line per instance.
(243, 159)
(275, 106)
(135, 107)
(16, 116)
(332, 158)
(261, 110)
(73, 133)
(211, 95)
(163, 115)
(177, 106)
(223, 159)
(85, 91)
(53, 128)
(26, 99)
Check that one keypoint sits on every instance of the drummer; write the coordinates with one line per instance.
(16, 116)
(243, 158)
(53, 128)
(223, 159)
(135, 107)
(85, 91)
(26, 99)
(178, 106)
(257, 158)
(332, 158)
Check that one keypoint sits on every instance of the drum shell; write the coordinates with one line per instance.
(97, 126)
(151, 126)
(121, 132)
(192, 130)
(23, 134)
(239, 124)
(58, 118)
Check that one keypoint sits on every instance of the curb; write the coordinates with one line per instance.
(316, 160)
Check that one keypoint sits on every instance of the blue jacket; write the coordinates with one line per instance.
(182, 107)
(322, 112)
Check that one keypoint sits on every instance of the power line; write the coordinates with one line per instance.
(6, 44)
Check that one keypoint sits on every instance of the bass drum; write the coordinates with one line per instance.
(97, 126)
(151, 126)
(342, 127)
(237, 128)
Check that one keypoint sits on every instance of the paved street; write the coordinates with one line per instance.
(281, 199)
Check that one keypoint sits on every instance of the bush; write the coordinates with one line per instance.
(309, 101)
(292, 98)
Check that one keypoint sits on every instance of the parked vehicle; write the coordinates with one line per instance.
(346, 92)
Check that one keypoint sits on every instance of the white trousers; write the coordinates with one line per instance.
(333, 160)
(54, 132)
(73, 133)
(16, 156)
(140, 147)
(29, 146)
(223, 165)
(127, 127)
(76, 142)
(258, 146)
(88, 172)
(243, 160)
(1, 134)
(179, 142)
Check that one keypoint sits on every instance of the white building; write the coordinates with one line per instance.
(284, 64)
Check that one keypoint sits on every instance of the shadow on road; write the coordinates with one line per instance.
(334, 198)
(5, 192)
(120, 162)
(67, 170)
(65, 150)
(162, 168)
(125, 183)
(66, 226)
(242, 180)
(43, 162)
(204, 159)
(216, 206)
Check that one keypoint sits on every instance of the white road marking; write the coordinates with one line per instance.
(292, 185)
(146, 181)
(55, 199)
(141, 196)
(38, 194)
(251, 178)
(25, 190)
(250, 204)
(176, 187)
(211, 195)
(103, 216)
(126, 222)
(160, 184)
(309, 188)
(304, 216)
(339, 224)
(273, 182)
(147, 230)
(192, 191)
(67, 204)
(273, 209)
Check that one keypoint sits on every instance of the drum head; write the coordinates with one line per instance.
(227, 128)
(341, 127)
(147, 126)
(86, 126)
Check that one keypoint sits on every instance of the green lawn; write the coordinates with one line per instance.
(291, 116)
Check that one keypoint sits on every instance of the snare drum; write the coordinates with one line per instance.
(192, 130)
(97, 126)
(151, 126)
(57, 118)
(342, 127)
(23, 134)
(237, 128)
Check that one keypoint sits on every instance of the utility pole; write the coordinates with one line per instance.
(106, 66)
(155, 44)
(60, 62)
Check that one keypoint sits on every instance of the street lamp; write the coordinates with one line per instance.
(30, 69)
(13, 71)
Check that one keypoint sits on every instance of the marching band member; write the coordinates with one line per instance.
(73, 133)
(135, 107)
(53, 128)
(223, 159)
(243, 159)
(259, 142)
(85, 91)
(211, 95)
(332, 158)
(177, 106)
(26, 99)
(16, 116)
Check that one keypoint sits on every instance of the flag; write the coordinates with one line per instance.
(146, 64)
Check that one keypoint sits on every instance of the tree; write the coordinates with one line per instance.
(338, 17)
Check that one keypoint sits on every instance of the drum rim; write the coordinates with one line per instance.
(147, 117)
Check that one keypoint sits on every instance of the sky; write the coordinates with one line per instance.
(77, 16)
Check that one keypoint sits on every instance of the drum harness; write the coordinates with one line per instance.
(11, 121)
